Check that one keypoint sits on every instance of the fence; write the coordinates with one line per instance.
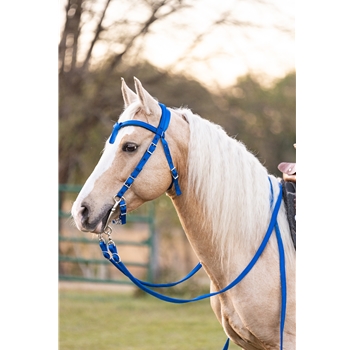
(80, 258)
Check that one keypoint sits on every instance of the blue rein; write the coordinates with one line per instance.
(110, 251)
(116, 261)
(159, 135)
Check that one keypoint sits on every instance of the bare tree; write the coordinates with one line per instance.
(121, 28)
(108, 33)
(124, 31)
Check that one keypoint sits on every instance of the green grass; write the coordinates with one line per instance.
(108, 321)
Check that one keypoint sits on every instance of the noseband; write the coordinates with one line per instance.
(159, 135)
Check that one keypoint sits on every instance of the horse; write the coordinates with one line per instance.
(222, 194)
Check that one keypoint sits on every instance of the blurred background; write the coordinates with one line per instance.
(231, 62)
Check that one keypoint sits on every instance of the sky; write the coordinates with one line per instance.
(231, 53)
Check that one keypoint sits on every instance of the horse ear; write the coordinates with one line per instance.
(149, 104)
(129, 96)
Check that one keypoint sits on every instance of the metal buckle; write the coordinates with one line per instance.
(177, 175)
(127, 185)
(107, 229)
(155, 145)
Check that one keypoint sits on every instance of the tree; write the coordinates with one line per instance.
(102, 40)
(264, 119)
(80, 109)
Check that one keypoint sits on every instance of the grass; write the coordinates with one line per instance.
(96, 320)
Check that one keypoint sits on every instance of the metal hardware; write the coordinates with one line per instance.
(114, 208)
(152, 143)
(177, 175)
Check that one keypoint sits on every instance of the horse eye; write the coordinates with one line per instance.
(129, 147)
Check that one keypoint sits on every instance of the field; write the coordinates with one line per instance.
(109, 320)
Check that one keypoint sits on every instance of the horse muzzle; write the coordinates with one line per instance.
(86, 221)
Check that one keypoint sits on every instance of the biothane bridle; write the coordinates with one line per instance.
(159, 135)
(109, 249)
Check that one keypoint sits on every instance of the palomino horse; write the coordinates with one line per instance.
(224, 198)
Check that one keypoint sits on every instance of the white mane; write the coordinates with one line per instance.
(224, 174)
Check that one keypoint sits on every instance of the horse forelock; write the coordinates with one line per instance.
(231, 184)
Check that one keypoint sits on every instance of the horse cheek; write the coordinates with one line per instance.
(153, 185)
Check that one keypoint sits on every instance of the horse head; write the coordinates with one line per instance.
(122, 153)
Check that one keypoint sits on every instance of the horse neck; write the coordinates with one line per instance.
(224, 206)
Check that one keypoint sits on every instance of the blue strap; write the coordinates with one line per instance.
(283, 283)
(113, 249)
(282, 271)
(164, 120)
(159, 134)
(140, 123)
(173, 170)
(271, 193)
(172, 284)
(121, 267)
(122, 207)
(162, 127)
(133, 176)
(139, 167)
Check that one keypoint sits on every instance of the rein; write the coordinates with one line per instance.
(110, 252)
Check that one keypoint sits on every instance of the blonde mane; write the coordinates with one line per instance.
(231, 184)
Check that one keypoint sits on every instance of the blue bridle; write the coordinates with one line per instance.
(109, 249)
(159, 135)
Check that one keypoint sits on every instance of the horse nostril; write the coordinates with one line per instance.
(84, 210)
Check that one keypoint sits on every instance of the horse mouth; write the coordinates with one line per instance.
(98, 224)
(106, 220)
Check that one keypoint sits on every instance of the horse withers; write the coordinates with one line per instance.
(224, 205)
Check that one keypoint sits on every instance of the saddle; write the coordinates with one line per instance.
(289, 185)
